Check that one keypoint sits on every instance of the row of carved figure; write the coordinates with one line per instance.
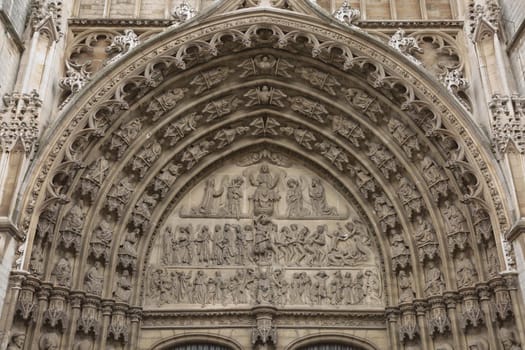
(347, 244)
(227, 200)
(246, 286)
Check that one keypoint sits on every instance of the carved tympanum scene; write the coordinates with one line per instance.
(256, 234)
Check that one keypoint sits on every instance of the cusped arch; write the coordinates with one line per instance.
(197, 338)
(329, 338)
(116, 122)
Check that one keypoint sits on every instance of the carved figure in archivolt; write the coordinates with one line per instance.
(363, 101)
(434, 280)
(266, 194)
(63, 271)
(119, 195)
(178, 129)
(317, 78)
(94, 279)
(196, 152)
(265, 65)
(265, 95)
(165, 102)
(317, 195)
(466, 273)
(123, 287)
(405, 283)
(205, 80)
(435, 178)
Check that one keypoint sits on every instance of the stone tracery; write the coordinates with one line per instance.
(135, 200)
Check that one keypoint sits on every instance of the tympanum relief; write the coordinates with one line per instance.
(263, 232)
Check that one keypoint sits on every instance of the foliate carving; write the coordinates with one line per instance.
(347, 14)
(408, 327)
(71, 228)
(93, 177)
(119, 196)
(457, 230)
(94, 279)
(265, 126)
(89, 321)
(148, 154)
(454, 81)
(123, 137)
(221, 107)
(183, 11)
(122, 45)
(266, 65)
(77, 75)
(206, 80)
(19, 121)
(434, 280)
(508, 122)
(408, 46)
(404, 136)
(56, 314)
(382, 157)
(365, 103)
(164, 103)
(436, 179)
(265, 95)
(319, 79)
(27, 304)
(62, 272)
(471, 314)
(438, 321)
(426, 240)
(348, 129)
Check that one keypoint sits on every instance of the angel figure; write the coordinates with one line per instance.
(208, 207)
(295, 200)
(265, 95)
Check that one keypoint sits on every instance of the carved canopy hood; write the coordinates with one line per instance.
(264, 86)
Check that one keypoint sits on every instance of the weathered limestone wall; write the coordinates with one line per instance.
(514, 14)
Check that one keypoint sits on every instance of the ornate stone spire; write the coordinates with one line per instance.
(347, 14)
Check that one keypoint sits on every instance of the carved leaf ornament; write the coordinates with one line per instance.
(384, 188)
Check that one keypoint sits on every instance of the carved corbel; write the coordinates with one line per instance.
(438, 321)
(264, 332)
(89, 320)
(501, 303)
(56, 315)
(27, 303)
(471, 313)
(408, 325)
(118, 329)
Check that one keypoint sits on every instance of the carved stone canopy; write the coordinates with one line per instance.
(315, 160)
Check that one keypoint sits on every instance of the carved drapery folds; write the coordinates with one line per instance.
(329, 171)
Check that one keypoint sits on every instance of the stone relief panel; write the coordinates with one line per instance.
(264, 232)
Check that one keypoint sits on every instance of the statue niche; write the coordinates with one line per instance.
(260, 232)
